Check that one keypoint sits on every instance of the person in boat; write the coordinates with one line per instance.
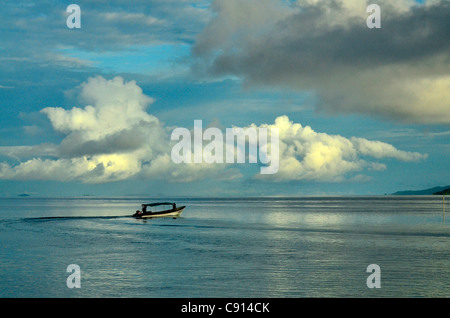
(174, 206)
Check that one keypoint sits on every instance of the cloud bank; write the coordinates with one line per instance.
(399, 72)
(114, 138)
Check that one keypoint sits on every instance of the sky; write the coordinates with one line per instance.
(90, 110)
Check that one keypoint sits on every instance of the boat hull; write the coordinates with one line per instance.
(174, 213)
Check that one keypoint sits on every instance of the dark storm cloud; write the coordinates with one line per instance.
(299, 39)
(323, 46)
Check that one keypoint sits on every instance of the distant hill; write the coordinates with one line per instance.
(23, 195)
(435, 190)
(445, 192)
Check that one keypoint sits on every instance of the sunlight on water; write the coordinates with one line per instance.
(247, 247)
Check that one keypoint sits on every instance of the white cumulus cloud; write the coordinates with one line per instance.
(309, 155)
(113, 138)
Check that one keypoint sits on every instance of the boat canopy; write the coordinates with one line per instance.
(157, 204)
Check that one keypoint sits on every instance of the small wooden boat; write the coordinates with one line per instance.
(152, 210)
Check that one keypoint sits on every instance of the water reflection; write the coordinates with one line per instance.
(283, 247)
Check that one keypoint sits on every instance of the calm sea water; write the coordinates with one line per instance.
(252, 247)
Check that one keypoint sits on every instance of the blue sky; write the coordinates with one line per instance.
(362, 111)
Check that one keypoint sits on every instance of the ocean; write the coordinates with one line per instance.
(225, 247)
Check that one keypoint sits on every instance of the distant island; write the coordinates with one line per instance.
(23, 195)
(436, 190)
(444, 192)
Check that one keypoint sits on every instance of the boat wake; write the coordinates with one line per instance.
(50, 218)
